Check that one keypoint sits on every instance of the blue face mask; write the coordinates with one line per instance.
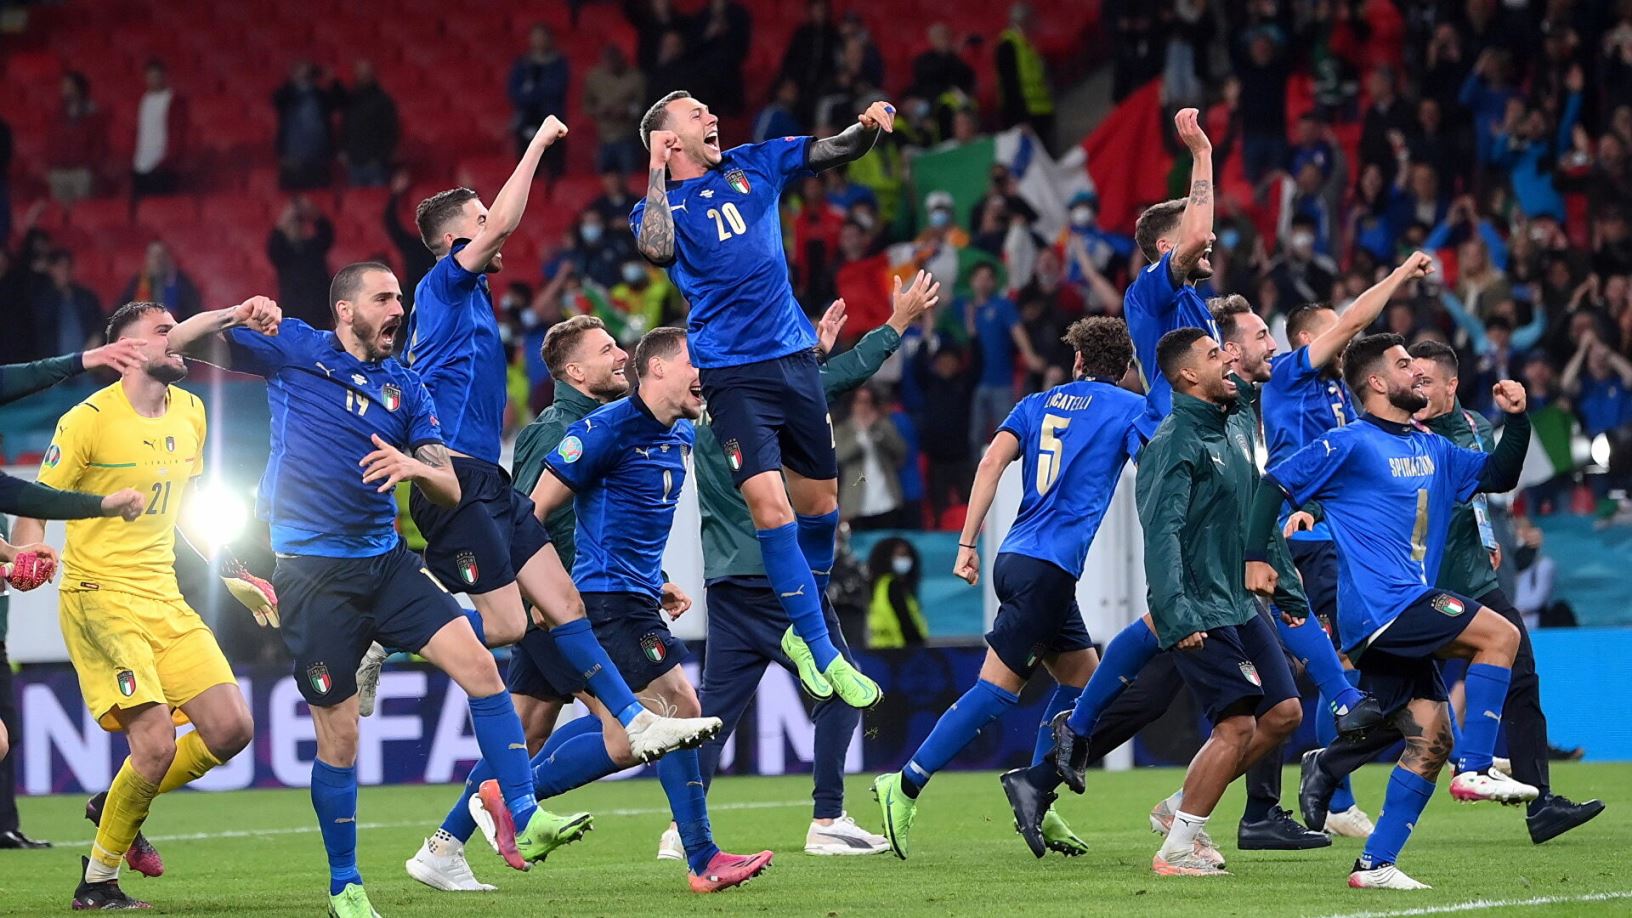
(1229, 238)
(940, 218)
(592, 233)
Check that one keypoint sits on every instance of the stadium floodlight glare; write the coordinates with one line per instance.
(1600, 451)
(217, 514)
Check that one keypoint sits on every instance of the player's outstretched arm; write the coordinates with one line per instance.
(1366, 308)
(1501, 471)
(200, 336)
(32, 502)
(428, 468)
(1005, 449)
(853, 142)
(22, 379)
(1196, 226)
(656, 238)
(511, 202)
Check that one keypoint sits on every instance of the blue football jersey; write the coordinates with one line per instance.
(453, 344)
(728, 258)
(1299, 404)
(626, 471)
(1153, 306)
(326, 404)
(1388, 491)
(1074, 440)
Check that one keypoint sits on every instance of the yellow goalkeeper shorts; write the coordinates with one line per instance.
(131, 650)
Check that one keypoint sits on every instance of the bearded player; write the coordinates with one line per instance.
(711, 218)
(146, 662)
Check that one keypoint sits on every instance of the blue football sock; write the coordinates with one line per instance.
(957, 727)
(1325, 735)
(795, 586)
(1403, 804)
(475, 619)
(580, 759)
(459, 822)
(682, 780)
(1486, 690)
(576, 641)
(818, 542)
(1125, 655)
(1313, 647)
(1063, 699)
(334, 798)
(504, 749)
(572, 729)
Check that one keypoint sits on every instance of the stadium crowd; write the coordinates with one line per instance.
(1496, 137)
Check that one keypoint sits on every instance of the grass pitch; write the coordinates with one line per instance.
(257, 853)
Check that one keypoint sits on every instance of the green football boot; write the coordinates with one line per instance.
(351, 903)
(816, 686)
(853, 688)
(546, 832)
(898, 810)
(1059, 837)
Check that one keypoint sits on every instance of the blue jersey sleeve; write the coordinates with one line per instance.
(1019, 421)
(782, 159)
(584, 455)
(1153, 291)
(446, 284)
(1463, 467)
(1306, 472)
(1292, 370)
(264, 355)
(425, 428)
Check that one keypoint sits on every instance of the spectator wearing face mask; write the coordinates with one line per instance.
(644, 295)
(597, 254)
(937, 246)
(895, 619)
(1103, 247)
(1301, 274)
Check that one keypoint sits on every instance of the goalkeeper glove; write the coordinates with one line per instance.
(29, 570)
(256, 594)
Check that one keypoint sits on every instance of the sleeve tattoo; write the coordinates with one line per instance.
(656, 240)
(434, 455)
(847, 146)
(1200, 191)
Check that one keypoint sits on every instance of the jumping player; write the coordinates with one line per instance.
(745, 620)
(1387, 490)
(717, 230)
(146, 662)
(344, 412)
(1073, 441)
(623, 466)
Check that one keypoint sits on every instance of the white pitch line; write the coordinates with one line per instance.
(1479, 905)
(308, 829)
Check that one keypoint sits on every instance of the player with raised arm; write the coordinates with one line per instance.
(348, 424)
(1195, 483)
(589, 371)
(1467, 571)
(490, 545)
(623, 467)
(1073, 441)
(746, 622)
(1388, 491)
(711, 217)
(146, 662)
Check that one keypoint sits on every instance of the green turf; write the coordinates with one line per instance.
(966, 858)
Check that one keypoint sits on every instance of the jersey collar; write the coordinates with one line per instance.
(1398, 430)
(640, 406)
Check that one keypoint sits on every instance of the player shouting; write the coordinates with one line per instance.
(718, 232)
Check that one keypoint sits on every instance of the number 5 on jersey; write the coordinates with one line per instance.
(1050, 452)
(728, 220)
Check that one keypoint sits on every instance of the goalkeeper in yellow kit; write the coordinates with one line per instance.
(146, 662)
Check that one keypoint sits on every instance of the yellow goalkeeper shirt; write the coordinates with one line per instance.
(102, 445)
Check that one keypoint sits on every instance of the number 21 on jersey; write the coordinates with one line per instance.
(1050, 452)
(728, 220)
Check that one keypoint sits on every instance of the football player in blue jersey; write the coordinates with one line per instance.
(1388, 490)
(623, 467)
(490, 546)
(711, 217)
(1072, 441)
(348, 424)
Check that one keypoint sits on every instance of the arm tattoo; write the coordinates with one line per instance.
(656, 240)
(1200, 191)
(434, 455)
(846, 146)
